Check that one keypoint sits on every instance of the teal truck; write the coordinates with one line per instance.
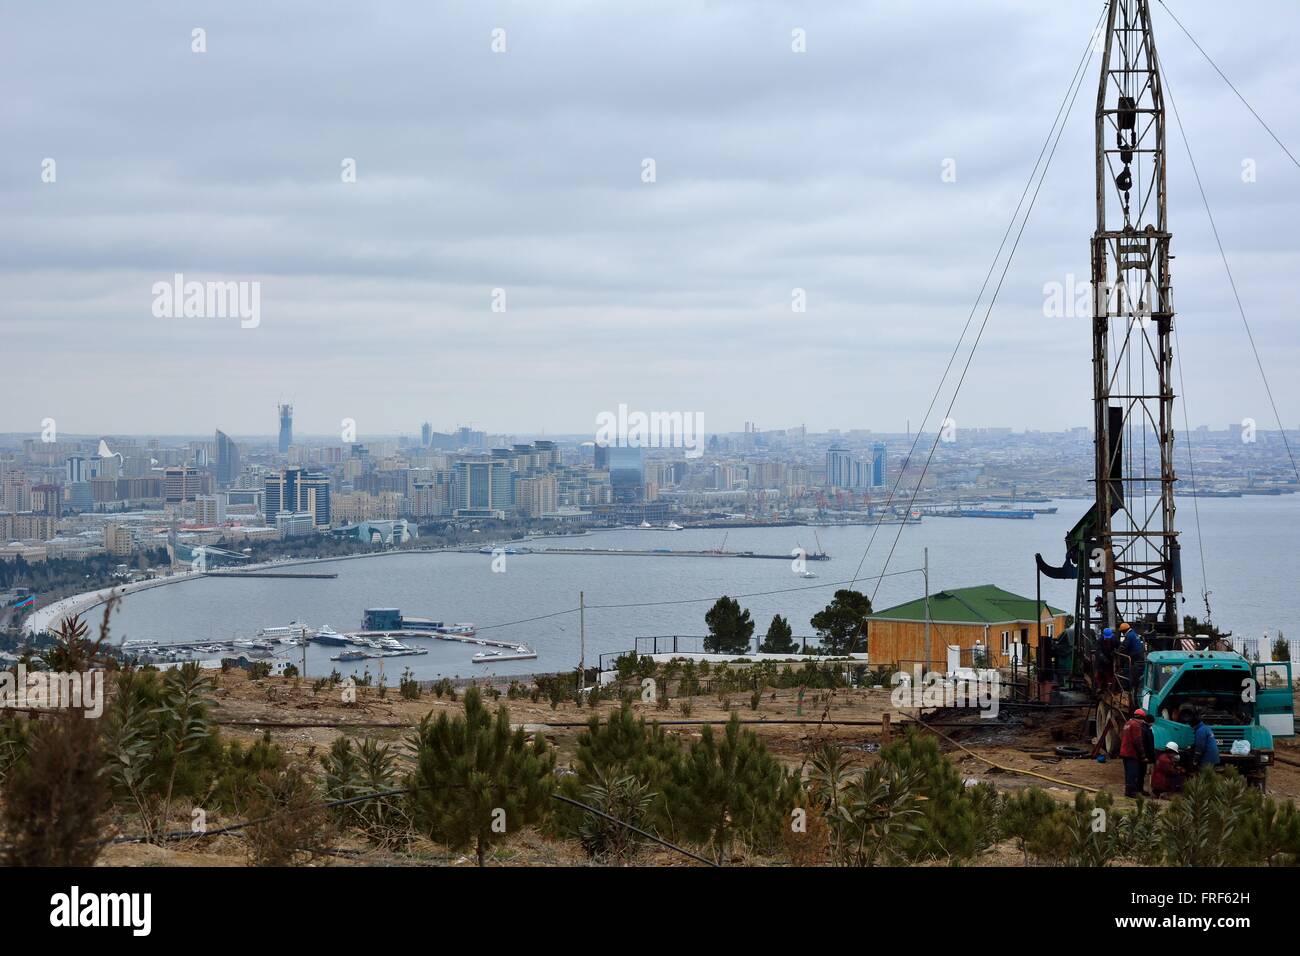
(1245, 705)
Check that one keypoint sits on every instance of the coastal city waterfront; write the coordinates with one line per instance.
(1243, 533)
(441, 442)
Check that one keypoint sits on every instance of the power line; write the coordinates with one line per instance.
(635, 829)
(1232, 282)
(527, 620)
(348, 801)
(696, 600)
(1191, 468)
(1071, 97)
(808, 587)
(1074, 81)
(1234, 89)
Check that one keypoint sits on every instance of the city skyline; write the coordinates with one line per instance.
(414, 434)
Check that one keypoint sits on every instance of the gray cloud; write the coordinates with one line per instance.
(775, 171)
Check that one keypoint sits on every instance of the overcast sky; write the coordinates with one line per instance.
(522, 171)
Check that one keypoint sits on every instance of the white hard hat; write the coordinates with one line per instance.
(1172, 746)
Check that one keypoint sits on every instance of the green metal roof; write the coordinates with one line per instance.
(985, 604)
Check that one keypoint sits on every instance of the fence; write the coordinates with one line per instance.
(694, 644)
(1262, 649)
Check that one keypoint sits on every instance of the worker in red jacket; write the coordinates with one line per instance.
(1167, 777)
(1133, 751)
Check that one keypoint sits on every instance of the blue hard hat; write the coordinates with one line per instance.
(1107, 633)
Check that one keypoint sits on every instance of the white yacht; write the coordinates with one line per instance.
(520, 652)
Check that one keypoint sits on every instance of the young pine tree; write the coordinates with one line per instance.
(475, 781)
(623, 745)
(732, 789)
(950, 826)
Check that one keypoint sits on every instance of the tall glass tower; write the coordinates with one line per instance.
(286, 428)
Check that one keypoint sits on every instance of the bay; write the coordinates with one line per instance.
(1249, 550)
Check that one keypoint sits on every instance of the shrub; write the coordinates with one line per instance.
(1026, 818)
(56, 795)
(350, 771)
(1200, 827)
(161, 742)
(623, 798)
(241, 768)
(290, 825)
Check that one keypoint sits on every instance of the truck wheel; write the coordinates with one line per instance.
(1109, 722)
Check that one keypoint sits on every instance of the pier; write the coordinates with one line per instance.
(661, 553)
(269, 574)
(357, 637)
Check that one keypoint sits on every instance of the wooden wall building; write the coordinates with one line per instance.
(986, 616)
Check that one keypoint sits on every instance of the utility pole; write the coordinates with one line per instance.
(582, 645)
(925, 571)
(302, 639)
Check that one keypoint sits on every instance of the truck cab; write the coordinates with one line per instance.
(1245, 705)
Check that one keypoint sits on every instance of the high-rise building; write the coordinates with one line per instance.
(839, 468)
(74, 470)
(314, 498)
(286, 428)
(469, 438)
(227, 460)
(547, 453)
(878, 465)
(626, 473)
(15, 492)
(484, 486)
(426, 434)
(296, 491)
(47, 500)
(81, 496)
(183, 483)
(431, 498)
(536, 496)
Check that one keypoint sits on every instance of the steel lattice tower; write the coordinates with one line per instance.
(1133, 573)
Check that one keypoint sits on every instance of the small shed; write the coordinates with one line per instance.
(1003, 625)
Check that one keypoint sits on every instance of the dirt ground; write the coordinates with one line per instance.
(1025, 742)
